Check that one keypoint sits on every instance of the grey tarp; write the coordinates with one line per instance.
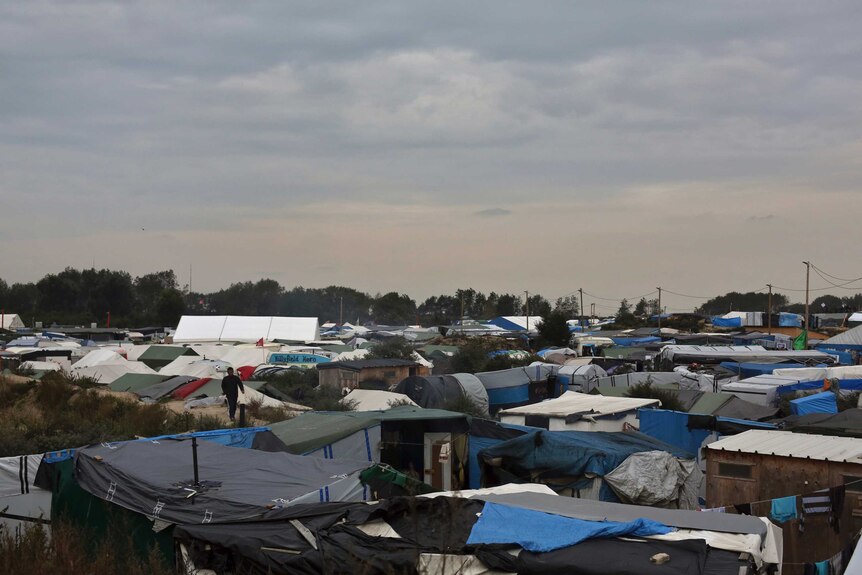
(155, 478)
(159, 390)
(517, 376)
(438, 391)
(658, 479)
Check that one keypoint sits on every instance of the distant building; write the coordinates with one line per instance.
(384, 372)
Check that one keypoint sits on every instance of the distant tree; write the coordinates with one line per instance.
(568, 306)
(267, 297)
(538, 306)
(641, 308)
(169, 308)
(471, 357)
(736, 301)
(625, 318)
(828, 304)
(392, 348)
(394, 309)
(554, 330)
(508, 304)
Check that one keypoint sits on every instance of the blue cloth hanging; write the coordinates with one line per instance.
(822, 567)
(783, 509)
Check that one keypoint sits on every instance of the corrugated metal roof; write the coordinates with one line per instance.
(573, 402)
(358, 364)
(787, 444)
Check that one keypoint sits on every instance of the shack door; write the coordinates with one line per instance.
(438, 460)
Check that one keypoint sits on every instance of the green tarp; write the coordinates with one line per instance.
(136, 381)
(158, 356)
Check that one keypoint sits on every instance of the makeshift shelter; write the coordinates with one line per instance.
(580, 464)
(580, 377)
(575, 411)
(158, 356)
(825, 402)
(440, 391)
(517, 322)
(135, 381)
(520, 385)
(107, 373)
(375, 400)
(195, 328)
(384, 372)
(532, 533)
(847, 423)
(814, 479)
(11, 321)
(849, 340)
(409, 439)
(672, 355)
(163, 388)
(137, 474)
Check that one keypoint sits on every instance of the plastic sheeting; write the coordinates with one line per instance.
(541, 532)
(658, 479)
(818, 403)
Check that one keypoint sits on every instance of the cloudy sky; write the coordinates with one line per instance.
(422, 147)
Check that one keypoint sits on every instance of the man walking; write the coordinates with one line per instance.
(231, 385)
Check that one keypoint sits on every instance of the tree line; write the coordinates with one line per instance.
(81, 297)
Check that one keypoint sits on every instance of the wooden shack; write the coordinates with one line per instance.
(760, 465)
(381, 372)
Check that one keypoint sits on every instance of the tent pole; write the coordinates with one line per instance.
(195, 459)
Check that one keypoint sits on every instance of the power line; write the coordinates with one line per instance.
(842, 286)
(618, 299)
(836, 277)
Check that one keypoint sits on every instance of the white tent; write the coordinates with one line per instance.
(11, 321)
(98, 357)
(373, 400)
(107, 373)
(245, 328)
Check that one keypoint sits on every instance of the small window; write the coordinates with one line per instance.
(734, 470)
(389, 373)
(853, 483)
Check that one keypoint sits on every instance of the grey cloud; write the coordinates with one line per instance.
(492, 213)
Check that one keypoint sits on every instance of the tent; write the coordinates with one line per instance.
(163, 388)
(158, 356)
(98, 357)
(824, 402)
(246, 328)
(11, 321)
(107, 373)
(135, 474)
(437, 391)
(520, 385)
(849, 340)
(579, 377)
(579, 411)
(374, 400)
(517, 322)
(576, 463)
(135, 381)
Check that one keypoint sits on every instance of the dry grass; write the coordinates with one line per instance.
(67, 551)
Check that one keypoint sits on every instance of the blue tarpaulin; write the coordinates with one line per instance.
(789, 319)
(746, 369)
(541, 532)
(719, 321)
(818, 403)
(671, 427)
(577, 453)
(634, 341)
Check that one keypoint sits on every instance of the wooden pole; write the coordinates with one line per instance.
(769, 312)
(659, 308)
(807, 274)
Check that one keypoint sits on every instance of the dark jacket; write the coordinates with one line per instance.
(230, 383)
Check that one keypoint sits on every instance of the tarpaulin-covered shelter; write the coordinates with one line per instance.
(585, 463)
(375, 400)
(440, 391)
(532, 534)
(135, 381)
(580, 377)
(11, 321)
(825, 402)
(158, 356)
(235, 328)
(155, 479)
(672, 355)
(849, 340)
(575, 411)
(520, 385)
(847, 423)
(409, 439)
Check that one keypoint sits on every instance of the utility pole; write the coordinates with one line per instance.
(807, 274)
(341, 311)
(527, 294)
(583, 312)
(462, 310)
(659, 308)
(769, 312)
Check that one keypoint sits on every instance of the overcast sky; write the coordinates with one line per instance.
(422, 147)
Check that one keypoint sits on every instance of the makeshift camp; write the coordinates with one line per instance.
(442, 391)
(514, 532)
(581, 464)
(575, 411)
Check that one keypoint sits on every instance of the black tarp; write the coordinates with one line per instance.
(156, 478)
(433, 391)
(847, 423)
